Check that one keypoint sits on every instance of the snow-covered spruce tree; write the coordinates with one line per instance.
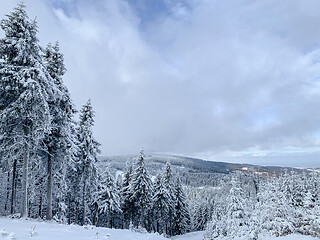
(181, 221)
(275, 212)
(231, 215)
(127, 205)
(316, 211)
(202, 214)
(25, 92)
(308, 212)
(236, 215)
(169, 185)
(87, 162)
(216, 227)
(141, 191)
(305, 193)
(108, 199)
(201, 202)
(298, 190)
(59, 144)
(315, 223)
(62, 185)
(162, 203)
(118, 216)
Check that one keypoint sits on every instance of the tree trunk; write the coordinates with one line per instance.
(157, 228)
(49, 186)
(40, 199)
(69, 208)
(13, 187)
(109, 224)
(83, 203)
(8, 191)
(24, 206)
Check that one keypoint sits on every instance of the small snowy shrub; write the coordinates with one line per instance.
(33, 232)
(4, 233)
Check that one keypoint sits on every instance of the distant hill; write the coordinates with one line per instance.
(192, 171)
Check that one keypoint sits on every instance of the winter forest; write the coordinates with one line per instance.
(50, 168)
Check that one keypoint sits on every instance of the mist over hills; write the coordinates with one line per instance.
(192, 171)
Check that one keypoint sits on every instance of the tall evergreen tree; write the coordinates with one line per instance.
(169, 186)
(59, 143)
(25, 92)
(236, 215)
(230, 217)
(127, 205)
(141, 193)
(88, 158)
(162, 203)
(108, 199)
(274, 209)
(182, 221)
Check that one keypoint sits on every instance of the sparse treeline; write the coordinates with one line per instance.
(49, 161)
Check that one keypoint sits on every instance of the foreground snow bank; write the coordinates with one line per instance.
(37, 230)
(189, 236)
(17, 229)
(199, 236)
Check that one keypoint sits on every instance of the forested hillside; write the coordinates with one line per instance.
(192, 171)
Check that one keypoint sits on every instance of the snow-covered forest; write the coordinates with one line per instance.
(49, 160)
(250, 206)
(50, 168)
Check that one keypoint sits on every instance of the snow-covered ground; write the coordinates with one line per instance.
(292, 237)
(199, 236)
(17, 229)
(22, 230)
(190, 236)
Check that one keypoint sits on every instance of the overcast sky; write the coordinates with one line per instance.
(235, 81)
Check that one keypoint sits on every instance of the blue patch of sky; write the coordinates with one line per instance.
(154, 12)
(150, 11)
(147, 10)
(68, 6)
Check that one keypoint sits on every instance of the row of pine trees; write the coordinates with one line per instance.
(159, 205)
(43, 149)
(49, 160)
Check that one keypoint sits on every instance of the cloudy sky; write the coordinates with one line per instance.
(235, 81)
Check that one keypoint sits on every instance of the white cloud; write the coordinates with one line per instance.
(212, 76)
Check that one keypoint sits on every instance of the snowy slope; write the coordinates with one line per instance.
(190, 236)
(21, 229)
